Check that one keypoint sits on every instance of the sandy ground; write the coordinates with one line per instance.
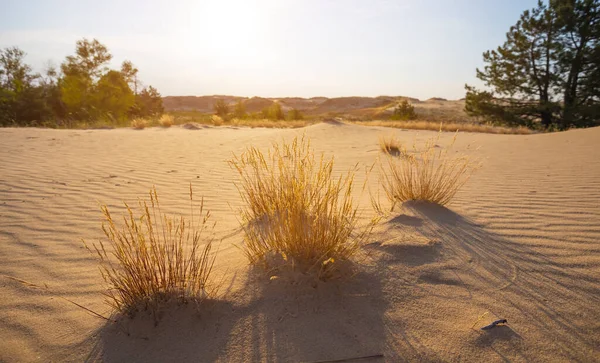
(521, 241)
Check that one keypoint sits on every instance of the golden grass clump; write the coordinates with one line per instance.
(166, 120)
(296, 212)
(217, 120)
(430, 174)
(139, 123)
(155, 259)
(391, 145)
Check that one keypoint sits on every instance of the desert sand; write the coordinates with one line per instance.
(521, 241)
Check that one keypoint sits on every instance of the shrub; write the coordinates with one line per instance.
(296, 213)
(273, 112)
(216, 120)
(139, 123)
(240, 110)
(166, 120)
(221, 108)
(425, 175)
(295, 114)
(404, 111)
(155, 258)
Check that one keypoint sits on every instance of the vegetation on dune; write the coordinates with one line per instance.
(404, 111)
(221, 108)
(155, 259)
(448, 127)
(82, 90)
(273, 112)
(240, 110)
(166, 120)
(430, 174)
(390, 145)
(547, 73)
(296, 213)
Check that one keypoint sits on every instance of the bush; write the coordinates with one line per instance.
(216, 120)
(296, 213)
(295, 114)
(273, 112)
(425, 175)
(166, 120)
(240, 110)
(152, 261)
(221, 108)
(139, 123)
(404, 111)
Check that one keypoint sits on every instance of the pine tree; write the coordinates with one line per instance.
(547, 71)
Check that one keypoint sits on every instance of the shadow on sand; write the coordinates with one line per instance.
(283, 320)
(511, 278)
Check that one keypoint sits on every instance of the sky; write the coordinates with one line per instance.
(274, 48)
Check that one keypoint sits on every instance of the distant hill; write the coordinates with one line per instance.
(352, 107)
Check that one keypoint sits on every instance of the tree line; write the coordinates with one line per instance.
(84, 88)
(547, 73)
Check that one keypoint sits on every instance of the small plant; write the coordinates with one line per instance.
(221, 108)
(404, 111)
(391, 145)
(429, 174)
(296, 212)
(166, 120)
(155, 259)
(139, 123)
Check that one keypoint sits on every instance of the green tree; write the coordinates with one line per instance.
(112, 97)
(90, 59)
(404, 111)
(129, 72)
(81, 72)
(221, 108)
(579, 60)
(24, 97)
(547, 70)
(148, 103)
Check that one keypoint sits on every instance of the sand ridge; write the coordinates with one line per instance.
(521, 241)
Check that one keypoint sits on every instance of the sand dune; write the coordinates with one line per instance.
(520, 241)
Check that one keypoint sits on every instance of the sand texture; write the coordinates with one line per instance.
(520, 241)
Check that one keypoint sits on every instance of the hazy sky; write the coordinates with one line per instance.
(418, 48)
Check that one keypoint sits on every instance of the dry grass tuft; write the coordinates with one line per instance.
(391, 145)
(429, 174)
(166, 120)
(217, 120)
(296, 213)
(155, 259)
(139, 123)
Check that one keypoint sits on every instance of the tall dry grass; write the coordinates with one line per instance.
(296, 212)
(432, 174)
(154, 259)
